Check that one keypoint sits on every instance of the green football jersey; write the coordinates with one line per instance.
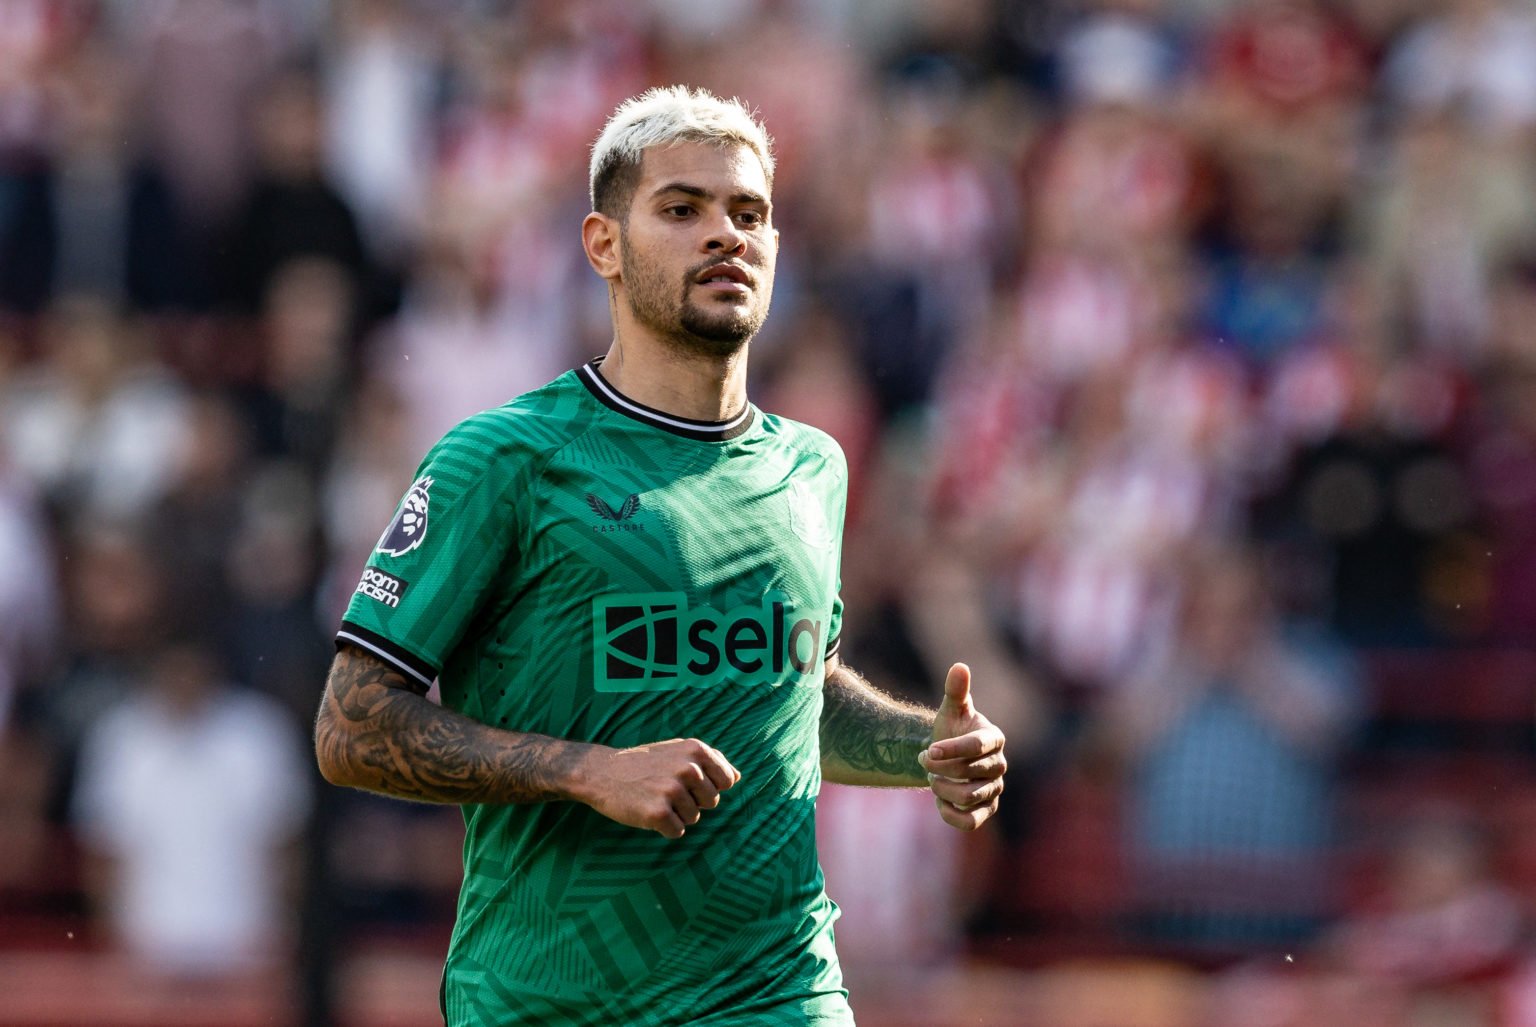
(579, 565)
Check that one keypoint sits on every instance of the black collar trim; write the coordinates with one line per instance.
(687, 427)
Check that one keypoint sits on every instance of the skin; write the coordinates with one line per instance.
(695, 207)
(377, 731)
(869, 738)
(679, 345)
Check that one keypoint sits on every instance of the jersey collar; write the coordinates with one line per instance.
(687, 427)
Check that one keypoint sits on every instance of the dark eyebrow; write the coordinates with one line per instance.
(704, 194)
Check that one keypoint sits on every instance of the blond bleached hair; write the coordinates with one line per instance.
(666, 116)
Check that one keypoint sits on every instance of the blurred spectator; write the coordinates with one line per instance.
(571, 62)
(1270, 286)
(1477, 53)
(276, 643)
(1281, 104)
(202, 63)
(1120, 53)
(370, 470)
(497, 259)
(95, 219)
(1230, 740)
(903, 906)
(193, 527)
(34, 36)
(946, 47)
(380, 88)
(993, 471)
(189, 793)
(797, 61)
(455, 317)
(1444, 918)
(815, 378)
(98, 425)
(1503, 471)
(1115, 184)
(1449, 213)
(293, 404)
(1292, 63)
(1514, 312)
(1098, 587)
(114, 592)
(291, 210)
(29, 592)
(395, 864)
(933, 244)
(1380, 500)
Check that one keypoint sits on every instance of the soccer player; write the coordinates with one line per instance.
(626, 585)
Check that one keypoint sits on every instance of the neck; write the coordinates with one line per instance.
(699, 386)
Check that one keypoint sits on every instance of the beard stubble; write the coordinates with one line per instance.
(666, 309)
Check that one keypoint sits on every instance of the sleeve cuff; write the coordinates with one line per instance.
(406, 662)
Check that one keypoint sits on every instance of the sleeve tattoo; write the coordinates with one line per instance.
(377, 731)
(867, 737)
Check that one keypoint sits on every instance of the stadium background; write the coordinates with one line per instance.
(1184, 352)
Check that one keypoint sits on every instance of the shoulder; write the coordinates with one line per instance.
(811, 443)
(521, 431)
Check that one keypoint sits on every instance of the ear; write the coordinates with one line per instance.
(600, 241)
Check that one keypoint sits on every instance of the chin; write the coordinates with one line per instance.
(721, 335)
(714, 345)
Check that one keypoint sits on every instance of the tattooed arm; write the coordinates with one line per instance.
(869, 738)
(377, 731)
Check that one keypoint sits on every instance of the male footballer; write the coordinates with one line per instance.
(626, 585)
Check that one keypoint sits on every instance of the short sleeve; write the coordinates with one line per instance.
(835, 625)
(436, 561)
(839, 516)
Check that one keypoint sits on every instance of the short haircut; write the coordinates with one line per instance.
(666, 116)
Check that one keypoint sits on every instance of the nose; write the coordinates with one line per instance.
(725, 238)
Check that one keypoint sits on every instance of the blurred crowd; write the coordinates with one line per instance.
(1183, 351)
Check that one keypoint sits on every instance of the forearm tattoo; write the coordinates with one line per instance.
(376, 730)
(870, 733)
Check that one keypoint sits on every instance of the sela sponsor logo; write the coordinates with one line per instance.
(409, 527)
(654, 642)
(386, 588)
(610, 519)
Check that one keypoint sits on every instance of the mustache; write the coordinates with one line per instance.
(691, 276)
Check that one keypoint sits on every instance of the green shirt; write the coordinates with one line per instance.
(579, 565)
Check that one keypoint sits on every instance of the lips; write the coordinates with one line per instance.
(724, 274)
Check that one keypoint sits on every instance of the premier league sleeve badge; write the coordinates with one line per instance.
(409, 526)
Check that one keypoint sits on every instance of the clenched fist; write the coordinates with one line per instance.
(662, 787)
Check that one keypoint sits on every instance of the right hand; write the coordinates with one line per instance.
(661, 787)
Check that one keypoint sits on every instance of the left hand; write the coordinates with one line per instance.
(965, 761)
